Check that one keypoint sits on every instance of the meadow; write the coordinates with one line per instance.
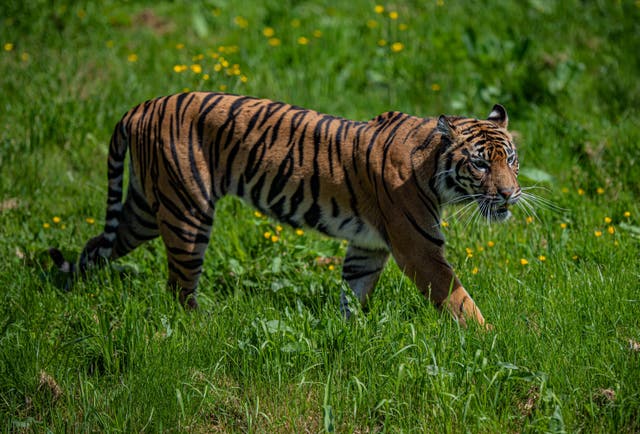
(269, 351)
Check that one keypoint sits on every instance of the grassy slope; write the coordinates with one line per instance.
(269, 351)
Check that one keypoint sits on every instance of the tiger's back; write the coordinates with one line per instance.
(378, 184)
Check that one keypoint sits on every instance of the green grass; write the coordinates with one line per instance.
(268, 351)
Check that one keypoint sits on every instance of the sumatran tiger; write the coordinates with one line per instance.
(380, 184)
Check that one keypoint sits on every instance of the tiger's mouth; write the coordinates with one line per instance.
(494, 211)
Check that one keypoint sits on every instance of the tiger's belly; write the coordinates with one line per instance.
(342, 224)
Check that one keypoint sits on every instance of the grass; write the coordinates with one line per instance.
(268, 351)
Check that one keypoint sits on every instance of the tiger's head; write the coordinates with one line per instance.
(479, 163)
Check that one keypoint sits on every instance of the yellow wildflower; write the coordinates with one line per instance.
(90, 220)
(132, 57)
(222, 87)
(244, 79)
(607, 220)
(24, 56)
(627, 214)
(257, 214)
(331, 267)
(302, 40)
(597, 233)
(317, 33)
(8, 46)
(600, 190)
(393, 15)
(469, 251)
(523, 262)
(475, 270)
(274, 42)
(542, 258)
(529, 219)
(268, 32)
(402, 27)
(491, 244)
(396, 47)
(378, 9)
(611, 230)
(179, 68)
(274, 238)
(565, 190)
(56, 219)
(267, 235)
(382, 42)
(278, 228)
(295, 23)
(299, 232)
(435, 87)
(372, 24)
(241, 22)
(196, 68)
(563, 225)
(580, 191)
(205, 77)
(444, 224)
(46, 225)
(179, 46)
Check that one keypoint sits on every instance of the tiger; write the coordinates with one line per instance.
(381, 185)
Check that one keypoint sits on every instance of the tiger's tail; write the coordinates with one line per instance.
(100, 248)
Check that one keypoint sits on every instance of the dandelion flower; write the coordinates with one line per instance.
(222, 87)
(268, 32)
(179, 46)
(274, 42)
(244, 79)
(56, 219)
(542, 258)
(627, 214)
(331, 267)
(565, 190)
(299, 232)
(379, 9)
(580, 192)
(475, 270)
(8, 46)
(241, 22)
(393, 15)
(90, 220)
(132, 57)
(469, 251)
(179, 68)
(46, 225)
(523, 262)
(317, 33)
(491, 244)
(274, 238)
(302, 40)
(563, 225)
(611, 230)
(267, 235)
(382, 42)
(402, 27)
(196, 68)
(529, 219)
(435, 87)
(278, 228)
(607, 220)
(257, 214)
(597, 233)
(600, 190)
(444, 224)
(397, 47)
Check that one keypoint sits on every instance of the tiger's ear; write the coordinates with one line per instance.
(445, 127)
(499, 116)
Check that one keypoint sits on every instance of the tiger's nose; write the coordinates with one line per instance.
(506, 193)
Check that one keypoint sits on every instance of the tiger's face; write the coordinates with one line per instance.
(479, 164)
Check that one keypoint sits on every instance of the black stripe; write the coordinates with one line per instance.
(437, 241)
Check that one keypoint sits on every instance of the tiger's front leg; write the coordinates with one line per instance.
(361, 270)
(423, 261)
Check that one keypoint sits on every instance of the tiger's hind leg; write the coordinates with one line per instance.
(127, 227)
(186, 241)
(361, 270)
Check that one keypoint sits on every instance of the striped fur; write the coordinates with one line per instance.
(379, 184)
